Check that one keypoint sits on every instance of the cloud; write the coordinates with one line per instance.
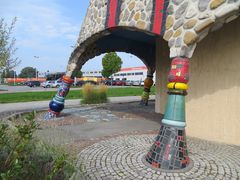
(37, 21)
(44, 28)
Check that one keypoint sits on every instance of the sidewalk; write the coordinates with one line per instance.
(43, 105)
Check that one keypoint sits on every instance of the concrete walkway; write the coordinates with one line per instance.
(43, 105)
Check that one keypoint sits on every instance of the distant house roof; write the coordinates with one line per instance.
(134, 68)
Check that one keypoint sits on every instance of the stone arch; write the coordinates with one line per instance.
(122, 39)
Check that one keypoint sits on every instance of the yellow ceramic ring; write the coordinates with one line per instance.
(176, 85)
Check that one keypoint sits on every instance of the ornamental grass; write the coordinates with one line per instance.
(94, 94)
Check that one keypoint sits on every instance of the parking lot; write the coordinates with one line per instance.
(12, 89)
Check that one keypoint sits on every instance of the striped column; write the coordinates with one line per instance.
(159, 16)
(57, 103)
(148, 82)
(170, 149)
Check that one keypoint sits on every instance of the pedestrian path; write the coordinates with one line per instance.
(43, 105)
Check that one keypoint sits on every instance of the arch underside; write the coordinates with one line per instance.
(139, 43)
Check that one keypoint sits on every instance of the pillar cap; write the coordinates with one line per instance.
(67, 79)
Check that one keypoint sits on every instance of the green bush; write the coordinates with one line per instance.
(94, 94)
(24, 157)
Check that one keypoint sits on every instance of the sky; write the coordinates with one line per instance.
(46, 30)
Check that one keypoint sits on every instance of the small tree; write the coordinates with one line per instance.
(7, 46)
(28, 72)
(9, 74)
(77, 74)
(111, 63)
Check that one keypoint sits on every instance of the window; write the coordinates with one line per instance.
(139, 73)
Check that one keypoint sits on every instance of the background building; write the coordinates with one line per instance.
(131, 74)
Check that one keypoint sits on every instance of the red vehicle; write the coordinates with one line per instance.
(120, 83)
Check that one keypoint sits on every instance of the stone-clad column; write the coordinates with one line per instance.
(148, 82)
(170, 149)
(57, 103)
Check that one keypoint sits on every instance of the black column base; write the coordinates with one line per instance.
(143, 103)
(169, 151)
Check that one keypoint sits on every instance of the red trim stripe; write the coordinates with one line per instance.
(158, 16)
(112, 13)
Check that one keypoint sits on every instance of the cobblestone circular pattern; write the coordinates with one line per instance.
(121, 158)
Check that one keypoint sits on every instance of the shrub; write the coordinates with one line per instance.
(94, 94)
(24, 157)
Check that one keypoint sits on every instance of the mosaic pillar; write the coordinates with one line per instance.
(57, 103)
(169, 151)
(148, 82)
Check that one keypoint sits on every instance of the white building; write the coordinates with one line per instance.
(92, 73)
(132, 74)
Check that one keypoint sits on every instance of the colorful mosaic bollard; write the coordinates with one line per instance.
(170, 149)
(148, 82)
(57, 103)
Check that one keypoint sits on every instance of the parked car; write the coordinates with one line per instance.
(129, 83)
(25, 83)
(79, 83)
(120, 83)
(47, 84)
(56, 84)
(110, 82)
(136, 83)
(107, 82)
(90, 82)
(33, 83)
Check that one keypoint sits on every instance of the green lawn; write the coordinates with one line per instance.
(73, 94)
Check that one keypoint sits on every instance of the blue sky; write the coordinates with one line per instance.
(47, 29)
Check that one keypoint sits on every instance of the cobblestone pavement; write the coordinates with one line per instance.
(122, 158)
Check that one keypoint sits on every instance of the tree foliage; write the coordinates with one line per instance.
(111, 63)
(77, 74)
(9, 74)
(28, 72)
(7, 46)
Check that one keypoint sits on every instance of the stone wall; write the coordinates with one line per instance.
(136, 13)
(95, 19)
(189, 21)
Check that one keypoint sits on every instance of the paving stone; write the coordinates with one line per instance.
(125, 151)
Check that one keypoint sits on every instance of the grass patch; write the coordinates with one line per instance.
(73, 94)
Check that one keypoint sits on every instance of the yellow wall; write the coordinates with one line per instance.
(213, 102)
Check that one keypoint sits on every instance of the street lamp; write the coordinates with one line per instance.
(36, 57)
(14, 76)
